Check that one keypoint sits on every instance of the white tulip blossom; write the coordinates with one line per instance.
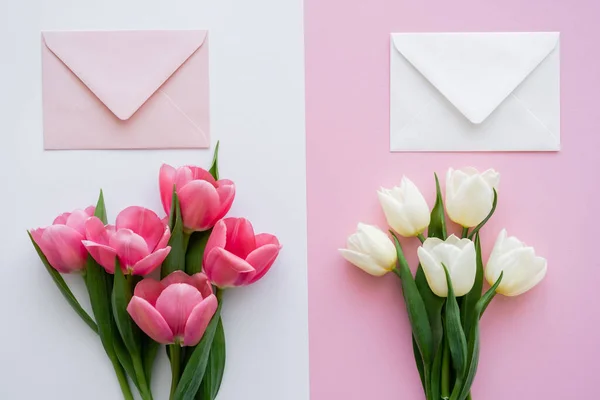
(371, 250)
(457, 255)
(470, 195)
(522, 268)
(405, 208)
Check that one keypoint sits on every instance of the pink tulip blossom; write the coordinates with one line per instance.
(202, 199)
(175, 310)
(61, 241)
(235, 256)
(139, 239)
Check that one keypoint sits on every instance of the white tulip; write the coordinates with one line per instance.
(371, 250)
(522, 268)
(405, 208)
(470, 194)
(457, 255)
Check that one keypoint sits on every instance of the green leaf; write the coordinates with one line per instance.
(178, 241)
(125, 358)
(121, 295)
(437, 226)
(482, 223)
(100, 211)
(473, 349)
(209, 388)
(195, 252)
(417, 313)
(419, 362)
(64, 288)
(470, 299)
(433, 304)
(455, 335)
(436, 373)
(445, 371)
(214, 168)
(192, 376)
(149, 351)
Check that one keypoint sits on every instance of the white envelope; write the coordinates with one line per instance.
(475, 92)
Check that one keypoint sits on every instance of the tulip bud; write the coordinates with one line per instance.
(405, 208)
(470, 195)
(457, 255)
(235, 256)
(177, 309)
(522, 268)
(61, 242)
(371, 250)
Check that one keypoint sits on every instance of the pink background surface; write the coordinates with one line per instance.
(543, 344)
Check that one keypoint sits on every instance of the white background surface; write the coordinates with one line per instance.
(257, 100)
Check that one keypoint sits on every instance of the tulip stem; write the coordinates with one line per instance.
(465, 232)
(122, 378)
(175, 354)
(421, 237)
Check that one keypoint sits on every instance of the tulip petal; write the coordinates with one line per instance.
(200, 281)
(396, 215)
(240, 237)
(198, 320)
(164, 240)
(364, 262)
(202, 174)
(464, 269)
(76, 220)
(95, 231)
(199, 205)
(177, 277)
(226, 191)
(142, 221)
(436, 277)
(90, 210)
(61, 219)
(63, 248)
(37, 235)
(130, 247)
(266, 238)
(225, 269)
(176, 303)
(149, 263)
(149, 289)
(166, 180)
(217, 238)
(472, 202)
(183, 176)
(149, 320)
(534, 275)
(262, 259)
(104, 255)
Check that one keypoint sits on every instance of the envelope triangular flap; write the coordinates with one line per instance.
(475, 71)
(124, 68)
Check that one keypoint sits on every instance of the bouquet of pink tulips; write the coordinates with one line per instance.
(444, 299)
(195, 252)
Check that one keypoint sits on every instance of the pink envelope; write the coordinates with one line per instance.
(125, 89)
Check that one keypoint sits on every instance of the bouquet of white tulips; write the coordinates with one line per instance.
(444, 300)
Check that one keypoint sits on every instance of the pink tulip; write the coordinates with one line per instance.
(175, 310)
(139, 240)
(61, 241)
(234, 256)
(202, 199)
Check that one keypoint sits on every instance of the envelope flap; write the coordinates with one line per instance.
(475, 71)
(124, 68)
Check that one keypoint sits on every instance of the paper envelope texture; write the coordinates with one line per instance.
(125, 89)
(475, 92)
